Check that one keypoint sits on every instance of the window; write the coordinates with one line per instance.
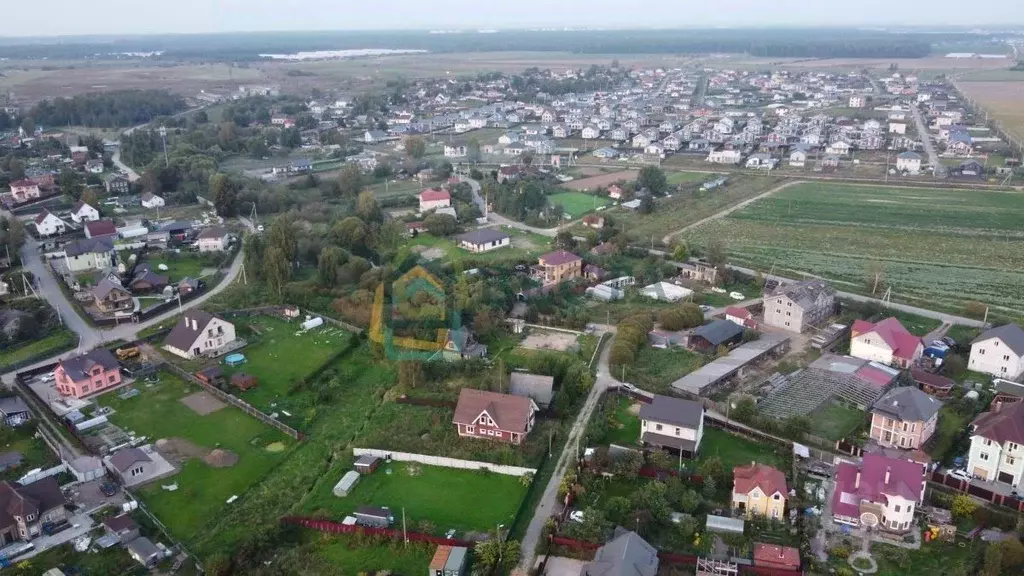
(85, 388)
(677, 431)
(1011, 446)
(30, 517)
(896, 508)
(497, 433)
(470, 429)
(776, 497)
(904, 426)
(903, 441)
(983, 456)
(657, 427)
(913, 427)
(981, 351)
(1006, 356)
(1003, 369)
(111, 378)
(1010, 460)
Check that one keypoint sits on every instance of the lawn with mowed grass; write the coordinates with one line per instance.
(576, 204)
(946, 246)
(182, 266)
(835, 421)
(736, 450)
(626, 428)
(159, 413)
(677, 178)
(58, 341)
(352, 557)
(446, 497)
(452, 253)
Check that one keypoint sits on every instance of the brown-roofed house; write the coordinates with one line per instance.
(123, 527)
(24, 509)
(997, 445)
(483, 414)
(197, 333)
(100, 228)
(774, 556)
(759, 489)
(558, 266)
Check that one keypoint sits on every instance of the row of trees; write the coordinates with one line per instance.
(116, 109)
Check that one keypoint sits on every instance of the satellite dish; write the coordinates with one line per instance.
(868, 520)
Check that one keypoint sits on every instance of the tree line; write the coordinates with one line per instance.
(117, 109)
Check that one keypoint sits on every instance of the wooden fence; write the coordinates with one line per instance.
(332, 527)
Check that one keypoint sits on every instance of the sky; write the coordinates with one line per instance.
(73, 17)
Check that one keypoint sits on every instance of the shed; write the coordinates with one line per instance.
(439, 560)
(536, 386)
(456, 563)
(243, 381)
(724, 524)
(144, 551)
(211, 375)
(373, 516)
(367, 463)
(346, 484)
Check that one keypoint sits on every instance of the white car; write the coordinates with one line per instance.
(48, 377)
(959, 474)
(736, 296)
(576, 516)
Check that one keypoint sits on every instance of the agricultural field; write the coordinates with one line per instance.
(434, 498)
(944, 246)
(602, 180)
(220, 453)
(576, 204)
(1001, 96)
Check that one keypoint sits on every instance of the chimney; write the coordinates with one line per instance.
(856, 483)
(887, 471)
(999, 406)
(782, 552)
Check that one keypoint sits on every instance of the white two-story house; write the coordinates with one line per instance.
(673, 424)
(999, 352)
(997, 445)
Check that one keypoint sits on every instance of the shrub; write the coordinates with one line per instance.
(841, 552)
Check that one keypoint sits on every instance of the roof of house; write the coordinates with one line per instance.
(375, 511)
(143, 548)
(79, 205)
(774, 554)
(511, 413)
(907, 404)
(432, 194)
(100, 228)
(191, 324)
(896, 337)
(910, 156)
(906, 479)
(626, 554)
(559, 257)
(105, 287)
(33, 498)
(536, 386)
(120, 523)
(930, 379)
(1004, 423)
(12, 405)
(753, 475)
(42, 216)
(78, 367)
(718, 331)
(124, 459)
(10, 459)
(214, 232)
(1010, 334)
(672, 410)
(738, 312)
(81, 246)
(805, 293)
(482, 236)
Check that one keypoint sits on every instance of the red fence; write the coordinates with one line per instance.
(333, 527)
(1011, 502)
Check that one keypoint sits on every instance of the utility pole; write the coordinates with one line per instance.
(163, 136)
(405, 534)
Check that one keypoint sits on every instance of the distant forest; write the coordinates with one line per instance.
(118, 109)
(772, 43)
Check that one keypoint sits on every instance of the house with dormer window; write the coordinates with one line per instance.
(494, 416)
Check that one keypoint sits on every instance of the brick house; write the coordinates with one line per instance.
(433, 198)
(797, 306)
(759, 489)
(25, 509)
(904, 418)
(87, 374)
(557, 267)
(110, 297)
(490, 415)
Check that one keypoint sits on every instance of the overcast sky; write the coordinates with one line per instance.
(64, 17)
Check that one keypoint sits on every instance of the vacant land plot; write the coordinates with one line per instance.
(736, 450)
(655, 369)
(435, 247)
(203, 484)
(1003, 101)
(577, 204)
(178, 266)
(544, 340)
(445, 497)
(942, 245)
(350, 556)
(677, 178)
(835, 421)
(601, 181)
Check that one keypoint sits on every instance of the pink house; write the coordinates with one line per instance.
(89, 374)
(904, 418)
(880, 492)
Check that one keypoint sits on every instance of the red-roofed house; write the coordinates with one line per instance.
(997, 445)
(740, 316)
(759, 489)
(434, 198)
(484, 414)
(558, 266)
(778, 557)
(24, 191)
(887, 342)
(880, 491)
(98, 228)
(614, 192)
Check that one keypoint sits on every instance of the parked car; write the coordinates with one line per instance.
(959, 474)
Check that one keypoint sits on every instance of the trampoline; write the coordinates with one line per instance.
(234, 359)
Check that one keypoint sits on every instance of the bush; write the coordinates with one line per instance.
(841, 552)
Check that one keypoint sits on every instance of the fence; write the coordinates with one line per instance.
(33, 476)
(234, 401)
(45, 354)
(601, 342)
(445, 462)
(1009, 502)
(333, 527)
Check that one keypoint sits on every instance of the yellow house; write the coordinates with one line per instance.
(759, 489)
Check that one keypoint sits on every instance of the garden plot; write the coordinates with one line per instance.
(544, 340)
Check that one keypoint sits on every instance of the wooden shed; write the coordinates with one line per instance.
(367, 463)
(243, 381)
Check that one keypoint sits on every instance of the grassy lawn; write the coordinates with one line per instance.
(577, 204)
(159, 413)
(280, 357)
(453, 253)
(445, 497)
(913, 323)
(114, 560)
(677, 178)
(633, 303)
(835, 421)
(737, 451)
(655, 369)
(932, 558)
(179, 266)
(627, 429)
(34, 451)
(352, 557)
(54, 343)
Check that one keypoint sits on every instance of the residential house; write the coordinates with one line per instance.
(121, 526)
(858, 101)
(461, 344)
(672, 142)
(593, 221)
(997, 445)
(84, 212)
(999, 351)
(213, 239)
(904, 418)
(199, 333)
(626, 554)
(641, 140)
(483, 240)
(24, 191)
(886, 342)
(89, 254)
(536, 387)
(48, 224)
(14, 411)
(799, 305)
(672, 423)
(87, 374)
(698, 270)
(740, 317)
(150, 200)
(510, 137)
(454, 151)
(24, 510)
(709, 337)
(434, 198)
(100, 228)
(798, 157)
(484, 414)
(110, 297)
(558, 266)
(116, 185)
(132, 465)
(591, 132)
(909, 162)
(143, 551)
(880, 491)
(773, 556)
(374, 136)
(619, 134)
(761, 161)
(840, 148)
(560, 131)
(724, 157)
(94, 166)
(759, 489)
(145, 280)
(606, 153)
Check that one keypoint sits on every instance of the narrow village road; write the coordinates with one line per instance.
(497, 219)
(938, 170)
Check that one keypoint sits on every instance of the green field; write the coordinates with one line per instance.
(738, 451)
(280, 357)
(677, 178)
(351, 557)
(626, 431)
(947, 246)
(202, 490)
(453, 253)
(835, 421)
(54, 343)
(445, 497)
(576, 204)
(655, 369)
(179, 266)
